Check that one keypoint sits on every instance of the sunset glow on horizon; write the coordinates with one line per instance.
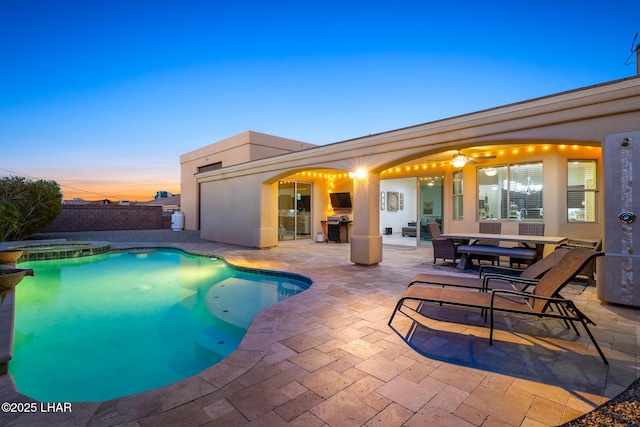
(135, 191)
(111, 183)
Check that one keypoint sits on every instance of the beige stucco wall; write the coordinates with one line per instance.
(248, 204)
(235, 150)
(578, 117)
(234, 215)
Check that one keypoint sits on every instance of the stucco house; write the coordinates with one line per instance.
(564, 160)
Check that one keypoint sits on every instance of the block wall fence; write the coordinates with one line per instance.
(109, 217)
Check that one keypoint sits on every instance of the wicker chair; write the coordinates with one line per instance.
(489, 228)
(529, 229)
(442, 248)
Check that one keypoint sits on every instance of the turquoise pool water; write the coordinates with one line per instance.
(105, 326)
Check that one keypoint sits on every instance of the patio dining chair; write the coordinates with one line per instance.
(491, 274)
(442, 248)
(489, 228)
(529, 229)
(509, 301)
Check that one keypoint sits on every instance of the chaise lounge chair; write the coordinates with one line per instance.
(490, 274)
(590, 269)
(538, 302)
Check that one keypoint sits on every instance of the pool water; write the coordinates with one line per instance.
(105, 326)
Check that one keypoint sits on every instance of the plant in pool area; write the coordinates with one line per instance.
(9, 216)
(27, 206)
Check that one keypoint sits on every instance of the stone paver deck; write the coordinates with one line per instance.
(327, 357)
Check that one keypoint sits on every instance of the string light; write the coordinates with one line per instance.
(407, 169)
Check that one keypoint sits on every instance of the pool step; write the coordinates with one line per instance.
(215, 341)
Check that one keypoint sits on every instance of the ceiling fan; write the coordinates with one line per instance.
(459, 159)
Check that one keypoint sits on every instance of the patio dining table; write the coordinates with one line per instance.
(535, 242)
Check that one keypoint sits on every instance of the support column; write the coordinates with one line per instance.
(265, 235)
(616, 282)
(366, 241)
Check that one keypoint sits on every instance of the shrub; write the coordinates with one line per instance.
(27, 206)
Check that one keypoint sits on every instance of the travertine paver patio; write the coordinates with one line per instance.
(328, 357)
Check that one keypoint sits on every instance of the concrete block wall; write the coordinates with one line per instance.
(108, 217)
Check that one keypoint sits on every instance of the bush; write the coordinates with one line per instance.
(27, 206)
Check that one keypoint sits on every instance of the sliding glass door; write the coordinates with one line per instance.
(430, 204)
(294, 210)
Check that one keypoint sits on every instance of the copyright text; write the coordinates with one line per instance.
(24, 407)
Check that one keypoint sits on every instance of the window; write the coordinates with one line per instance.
(211, 167)
(490, 181)
(458, 212)
(582, 191)
(511, 192)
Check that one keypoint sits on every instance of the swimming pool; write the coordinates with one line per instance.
(105, 326)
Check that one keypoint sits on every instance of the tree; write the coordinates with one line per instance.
(27, 206)
(9, 216)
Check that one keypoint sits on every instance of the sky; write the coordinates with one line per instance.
(104, 96)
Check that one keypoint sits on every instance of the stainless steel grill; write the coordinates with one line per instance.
(334, 224)
(334, 219)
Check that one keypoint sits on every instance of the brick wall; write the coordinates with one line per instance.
(108, 217)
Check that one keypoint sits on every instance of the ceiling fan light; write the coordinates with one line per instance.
(459, 160)
(490, 171)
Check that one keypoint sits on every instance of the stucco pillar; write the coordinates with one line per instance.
(265, 236)
(366, 241)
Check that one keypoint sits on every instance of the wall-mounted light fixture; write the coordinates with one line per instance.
(359, 173)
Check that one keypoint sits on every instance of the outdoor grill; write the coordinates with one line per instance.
(334, 224)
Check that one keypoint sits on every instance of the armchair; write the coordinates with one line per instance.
(442, 248)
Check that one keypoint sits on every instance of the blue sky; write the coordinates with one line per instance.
(104, 97)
